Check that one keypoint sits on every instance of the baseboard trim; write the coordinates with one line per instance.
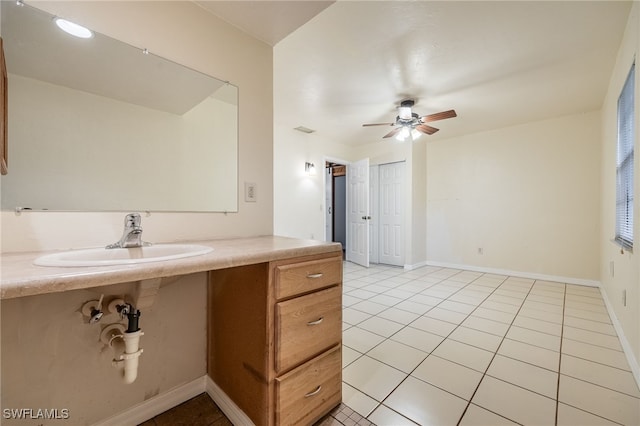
(228, 407)
(532, 275)
(413, 266)
(150, 408)
(626, 346)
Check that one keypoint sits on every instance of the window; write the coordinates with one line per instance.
(624, 166)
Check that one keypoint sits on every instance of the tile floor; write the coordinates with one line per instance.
(437, 346)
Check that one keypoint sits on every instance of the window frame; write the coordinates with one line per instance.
(625, 162)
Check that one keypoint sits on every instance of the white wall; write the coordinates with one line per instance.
(299, 199)
(527, 195)
(185, 33)
(417, 235)
(50, 358)
(626, 264)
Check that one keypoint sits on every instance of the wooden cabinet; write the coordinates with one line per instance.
(306, 326)
(292, 279)
(308, 392)
(275, 336)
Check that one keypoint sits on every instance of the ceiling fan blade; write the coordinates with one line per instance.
(393, 132)
(439, 116)
(378, 124)
(426, 129)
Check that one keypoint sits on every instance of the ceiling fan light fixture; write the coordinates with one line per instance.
(408, 132)
(403, 134)
(408, 124)
(404, 113)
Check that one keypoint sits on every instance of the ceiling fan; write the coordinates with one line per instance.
(409, 123)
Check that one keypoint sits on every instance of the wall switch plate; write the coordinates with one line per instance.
(250, 195)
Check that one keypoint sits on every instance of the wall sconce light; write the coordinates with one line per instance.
(310, 168)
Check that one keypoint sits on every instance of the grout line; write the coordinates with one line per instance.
(408, 325)
(560, 355)
(595, 344)
(474, 329)
(459, 286)
(602, 386)
(445, 338)
(494, 356)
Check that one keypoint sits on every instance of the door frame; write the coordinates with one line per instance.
(324, 187)
(374, 257)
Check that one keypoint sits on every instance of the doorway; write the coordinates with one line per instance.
(336, 203)
(365, 211)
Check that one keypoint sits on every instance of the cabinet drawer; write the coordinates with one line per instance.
(306, 326)
(310, 391)
(298, 278)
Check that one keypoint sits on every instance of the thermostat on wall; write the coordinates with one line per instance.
(250, 195)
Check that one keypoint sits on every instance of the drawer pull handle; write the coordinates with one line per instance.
(318, 275)
(315, 392)
(316, 322)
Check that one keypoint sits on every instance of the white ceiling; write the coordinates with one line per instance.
(269, 21)
(496, 63)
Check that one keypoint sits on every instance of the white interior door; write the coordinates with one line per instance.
(358, 216)
(391, 183)
(374, 225)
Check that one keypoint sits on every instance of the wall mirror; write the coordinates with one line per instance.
(95, 124)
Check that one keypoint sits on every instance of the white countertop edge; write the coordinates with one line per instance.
(21, 278)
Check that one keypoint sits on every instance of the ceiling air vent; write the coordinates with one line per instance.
(304, 129)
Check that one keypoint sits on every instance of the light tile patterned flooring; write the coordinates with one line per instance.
(449, 347)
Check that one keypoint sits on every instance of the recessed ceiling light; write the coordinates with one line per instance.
(73, 29)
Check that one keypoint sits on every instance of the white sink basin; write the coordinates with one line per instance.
(122, 256)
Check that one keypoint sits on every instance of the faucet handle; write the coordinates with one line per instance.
(124, 309)
(132, 235)
(132, 219)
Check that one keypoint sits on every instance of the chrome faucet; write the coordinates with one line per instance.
(132, 235)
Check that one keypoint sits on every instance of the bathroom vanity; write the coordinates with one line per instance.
(274, 317)
(274, 341)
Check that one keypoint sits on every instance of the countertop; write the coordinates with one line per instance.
(20, 277)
